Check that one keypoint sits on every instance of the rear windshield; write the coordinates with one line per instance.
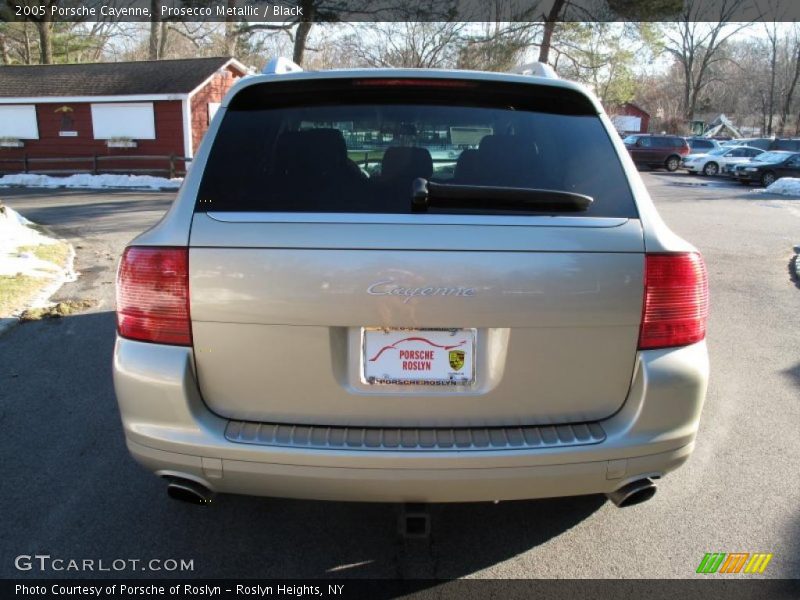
(790, 145)
(356, 146)
(768, 157)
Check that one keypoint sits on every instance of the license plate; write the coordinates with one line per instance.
(418, 356)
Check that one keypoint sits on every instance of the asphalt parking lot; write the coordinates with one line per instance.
(69, 488)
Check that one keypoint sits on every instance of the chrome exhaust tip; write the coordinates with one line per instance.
(189, 491)
(633, 493)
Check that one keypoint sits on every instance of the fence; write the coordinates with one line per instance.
(97, 164)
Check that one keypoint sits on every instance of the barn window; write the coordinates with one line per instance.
(213, 107)
(18, 122)
(123, 120)
(627, 122)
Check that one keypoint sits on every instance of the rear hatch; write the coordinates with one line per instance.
(320, 296)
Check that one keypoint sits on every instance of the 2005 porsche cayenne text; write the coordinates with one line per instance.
(411, 286)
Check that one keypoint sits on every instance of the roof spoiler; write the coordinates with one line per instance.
(280, 66)
(536, 69)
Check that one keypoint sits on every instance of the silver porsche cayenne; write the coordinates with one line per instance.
(411, 286)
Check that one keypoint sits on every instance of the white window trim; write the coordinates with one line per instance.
(216, 107)
(186, 106)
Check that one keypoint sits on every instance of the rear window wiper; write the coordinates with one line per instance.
(427, 194)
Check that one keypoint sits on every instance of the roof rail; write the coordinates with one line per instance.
(280, 66)
(536, 69)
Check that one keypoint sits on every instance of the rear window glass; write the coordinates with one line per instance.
(357, 146)
(791, 145)
(777, 156)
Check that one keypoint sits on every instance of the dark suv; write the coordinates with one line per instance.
(657, 150)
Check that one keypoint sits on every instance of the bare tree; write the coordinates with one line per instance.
(409, 44)
(498, 46)
(773, 38)
(155, 31)
(20, 44)
(43, 24)
(299, 27)
(4, 56)
(696, 41)
(231, 33)
(788, 96)
(331, 11)
(550, 21)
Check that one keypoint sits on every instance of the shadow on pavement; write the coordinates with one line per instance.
(71, 490)
(111, 216)
(794, 374)
(794, 270)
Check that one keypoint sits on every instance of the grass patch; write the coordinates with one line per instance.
(57, 253)
(58, 310)
(17, 291)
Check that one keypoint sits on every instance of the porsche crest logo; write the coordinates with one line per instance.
(456, 359)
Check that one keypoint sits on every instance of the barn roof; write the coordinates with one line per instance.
(109, 79)
(637, 107)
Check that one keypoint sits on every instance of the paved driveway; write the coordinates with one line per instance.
(69, 488)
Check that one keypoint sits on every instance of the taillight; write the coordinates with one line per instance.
(153, 295)
(675, 301)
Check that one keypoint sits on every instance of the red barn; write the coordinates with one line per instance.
(109, 117)
(630, 118)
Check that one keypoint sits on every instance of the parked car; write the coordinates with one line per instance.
(761, 143)
(717, 161)
(522, 325)
(789, 145)
(659, 151)
(699, 145)
(768, 167)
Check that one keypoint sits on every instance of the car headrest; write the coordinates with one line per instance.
(322, 147)
(467, 165)
(504, 145)
(509, 160)
(310, 151)
(405, 162)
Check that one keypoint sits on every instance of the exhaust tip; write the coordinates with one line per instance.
(633, 493)
(189, 492)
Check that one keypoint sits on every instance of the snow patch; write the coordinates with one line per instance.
(87, 181)
(786, 186)
(15, 231)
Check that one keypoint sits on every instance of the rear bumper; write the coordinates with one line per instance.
(171, 432)
(408, 485)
